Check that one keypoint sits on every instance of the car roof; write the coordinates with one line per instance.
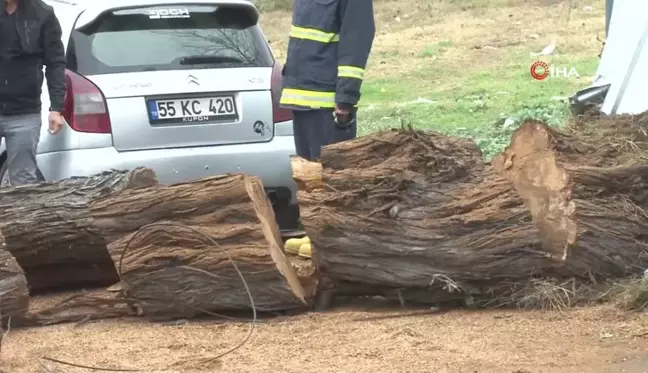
(80, 5)
(118, 3)
(69, 11)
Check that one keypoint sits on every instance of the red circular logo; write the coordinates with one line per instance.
(539, 70)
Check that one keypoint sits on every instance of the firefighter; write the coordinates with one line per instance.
(330, 42)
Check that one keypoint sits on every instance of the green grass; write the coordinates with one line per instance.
(439, 69)
(270, 5)
(484, 104)
(435, 50)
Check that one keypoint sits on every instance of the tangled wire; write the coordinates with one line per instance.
(213, 242)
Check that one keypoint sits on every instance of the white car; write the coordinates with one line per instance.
(187, 88)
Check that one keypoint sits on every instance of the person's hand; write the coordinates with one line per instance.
(55, 122)
(341, 111)
(344, 116)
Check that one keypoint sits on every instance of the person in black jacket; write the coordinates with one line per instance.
(30, 37)
(330, 42)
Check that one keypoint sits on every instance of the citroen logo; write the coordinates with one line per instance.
(192, 80)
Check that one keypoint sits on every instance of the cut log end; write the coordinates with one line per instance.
(272, 234)
(529, 162)
(307, 175)
(14, 292)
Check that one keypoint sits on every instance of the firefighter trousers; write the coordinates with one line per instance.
(316, 128)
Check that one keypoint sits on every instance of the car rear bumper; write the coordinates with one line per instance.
(270, 161)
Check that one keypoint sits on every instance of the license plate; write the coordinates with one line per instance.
(191, 110)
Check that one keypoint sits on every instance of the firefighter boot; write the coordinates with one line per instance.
(293, 245)
(305, 250)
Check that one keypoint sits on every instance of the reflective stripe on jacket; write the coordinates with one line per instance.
(330, 42)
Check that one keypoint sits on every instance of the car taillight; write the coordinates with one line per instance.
(85, 105)
(279, 114)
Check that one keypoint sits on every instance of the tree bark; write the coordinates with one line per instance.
(172, 270)
(408, 209)
(49, 229)
(412, 210)
(586, 198)
(14, 294)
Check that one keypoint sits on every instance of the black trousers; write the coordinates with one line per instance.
(314, 129)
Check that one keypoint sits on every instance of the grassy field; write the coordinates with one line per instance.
(462, 66)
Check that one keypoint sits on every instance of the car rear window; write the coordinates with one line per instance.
(169, 38)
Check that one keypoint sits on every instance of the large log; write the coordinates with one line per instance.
(401, 209)
(14, 295)
(586, 197)
(413, 210)
(181, 266)
(49, 229)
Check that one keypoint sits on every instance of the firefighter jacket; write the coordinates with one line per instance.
(330, 42)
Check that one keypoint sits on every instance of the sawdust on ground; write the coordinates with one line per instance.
(350, 340)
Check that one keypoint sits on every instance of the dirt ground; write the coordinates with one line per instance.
(354, 339)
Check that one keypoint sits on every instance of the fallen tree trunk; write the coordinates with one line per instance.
(48, 228)
(14, 294)
(405, 209)
(183, 265)
(413, 210)
(595, 214)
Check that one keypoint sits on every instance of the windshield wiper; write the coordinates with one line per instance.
(196, 60)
